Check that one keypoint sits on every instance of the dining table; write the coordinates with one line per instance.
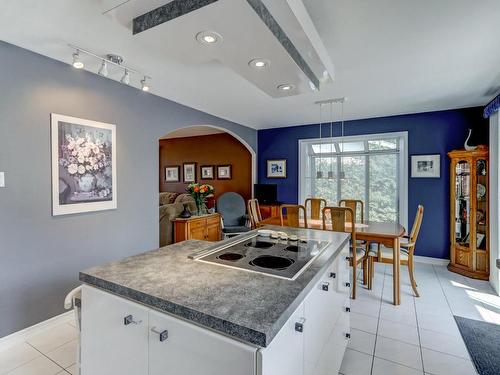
(387, 234)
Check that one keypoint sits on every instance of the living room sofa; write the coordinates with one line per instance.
(171, 206)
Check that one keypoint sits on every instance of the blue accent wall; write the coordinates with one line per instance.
(428, 133)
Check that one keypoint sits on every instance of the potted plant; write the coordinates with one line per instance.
(200, 193)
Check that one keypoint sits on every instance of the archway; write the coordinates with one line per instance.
(205, 150)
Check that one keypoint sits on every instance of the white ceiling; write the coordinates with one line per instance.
(390, 56)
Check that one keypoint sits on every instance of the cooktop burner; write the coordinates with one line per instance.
(273, 262)
(230, 256)
(262, 254)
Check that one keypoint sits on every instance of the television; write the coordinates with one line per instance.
(266, 193)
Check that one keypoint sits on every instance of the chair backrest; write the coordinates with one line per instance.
(293, 215)
(419, 216)
(339, 217)
(315, 204)
(356, 206)
(254, 212)
(232, 208)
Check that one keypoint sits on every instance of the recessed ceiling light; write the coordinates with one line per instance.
(259, 63)
(286, 87)
(208, 37)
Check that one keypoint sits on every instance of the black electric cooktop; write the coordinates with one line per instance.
(275, 257)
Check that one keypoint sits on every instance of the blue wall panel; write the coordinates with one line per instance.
(428, 133)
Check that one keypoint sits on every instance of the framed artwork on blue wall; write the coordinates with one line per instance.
(425, 166)
(276, 168)
(83, 165)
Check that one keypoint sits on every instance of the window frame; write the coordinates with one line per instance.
(402, 168)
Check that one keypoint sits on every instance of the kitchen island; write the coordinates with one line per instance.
(177, 311)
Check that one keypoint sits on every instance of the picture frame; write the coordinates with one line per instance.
(189, 172)
(172, 173)
(276, 168)
(224, 172)
(207, 172)
(426, 166)
(83, 158)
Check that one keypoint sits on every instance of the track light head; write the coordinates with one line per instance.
(144, 85)
(126, 78)
(103, 70)
(77, 63)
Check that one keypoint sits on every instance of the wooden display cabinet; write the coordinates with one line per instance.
(469, 216)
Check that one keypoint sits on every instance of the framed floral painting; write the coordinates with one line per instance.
(83, 165)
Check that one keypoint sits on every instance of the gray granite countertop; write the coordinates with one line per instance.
(248, 306)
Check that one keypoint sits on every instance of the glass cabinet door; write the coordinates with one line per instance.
(462, 203)
(481, 204)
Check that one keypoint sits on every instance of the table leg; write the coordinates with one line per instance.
(395, 273)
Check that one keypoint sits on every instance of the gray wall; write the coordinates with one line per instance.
(40, 255)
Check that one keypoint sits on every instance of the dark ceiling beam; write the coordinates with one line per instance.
(287, 44)
(167, 12)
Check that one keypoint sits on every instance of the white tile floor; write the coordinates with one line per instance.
(418, 337)
(49, 352)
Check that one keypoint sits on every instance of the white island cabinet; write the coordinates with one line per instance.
(123, 337)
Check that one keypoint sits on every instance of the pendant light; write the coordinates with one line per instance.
(319, 172)
(330, 172)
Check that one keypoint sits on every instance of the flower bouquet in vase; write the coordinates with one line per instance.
(200, 193)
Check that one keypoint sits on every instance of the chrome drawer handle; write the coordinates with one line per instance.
(348, 285)
(129, 319)
(347, 309)
(299, 326)
(325, 286)
(347, 335)
(333, 275)
(163, 334)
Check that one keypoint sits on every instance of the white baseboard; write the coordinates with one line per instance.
(429, 260)
(21, 336)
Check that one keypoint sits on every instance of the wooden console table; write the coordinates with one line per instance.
(204, 227)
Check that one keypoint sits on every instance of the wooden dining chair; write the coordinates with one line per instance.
(253, 209)
(407, 244)
(339, 217)
(357, 206)
(315, 204)
(293, 215)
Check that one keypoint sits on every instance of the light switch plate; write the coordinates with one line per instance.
(2, 179)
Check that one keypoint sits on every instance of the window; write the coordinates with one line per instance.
(372, 168)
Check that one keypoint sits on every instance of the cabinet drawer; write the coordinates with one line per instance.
(194, 224)
(213, 220)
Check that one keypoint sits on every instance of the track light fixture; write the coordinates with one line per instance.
(144, 84)
(103, 70)
(113, 61)
(126, 78)
(77, 63)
